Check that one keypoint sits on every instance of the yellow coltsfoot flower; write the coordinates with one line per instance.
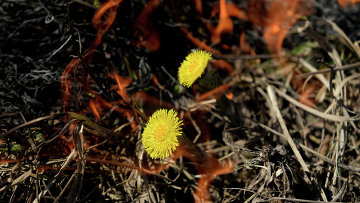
(193, 67)
(160, 136)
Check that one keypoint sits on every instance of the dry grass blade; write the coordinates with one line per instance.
(330, 161)
(66, 126)
(312, 69)
(275, 107)
(343, 82)
(298, 156)
(344, 68)
(21, 178)
(314, 111)
(65, 188)
(101, 131)
(29, 123)
(354, 47)
(69, 159)
(78, 138)
(324, 158)
(279, 199)
(340, 193)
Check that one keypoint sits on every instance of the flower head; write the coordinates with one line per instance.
(193, 67)
(160, 136)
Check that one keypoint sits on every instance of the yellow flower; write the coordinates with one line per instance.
(193, 67)
(160, 136)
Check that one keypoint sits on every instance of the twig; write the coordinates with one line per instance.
(29, 123)
(343, 68)
(195, 126)
(57, 50)
(64, 189)
(311, 68)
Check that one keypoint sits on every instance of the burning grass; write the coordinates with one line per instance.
(274, 116)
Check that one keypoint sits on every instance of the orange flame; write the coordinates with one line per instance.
(150, 40)
(234, 11)
(306, 93)
(215, 93)
(94, 108)
(209, 168)
(225, 24)
(244, 46)
(222, 64)
(345, 3)
(306, 98)
(102, 27)
(230, 95)
(278, 19)
(145, 32)
(198, 43)
(215, 169)
(156, 82)
(112, 6)
(8, 161)
(198, 6)
(207, 165)
(66, 83)
(144, 98)
(99, 103)
(122, 83)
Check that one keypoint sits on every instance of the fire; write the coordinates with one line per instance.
(214, 169)
(306, 92)
(66, 83)
(276, 17)
(145, 32)
(122, 83)
(95, 108)
(215, 93)
(244, 46)
(206, 165)
(198, 6)
(222, 64)
(199, 43)
(102, 27)
(225, 23)
(345, 3)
